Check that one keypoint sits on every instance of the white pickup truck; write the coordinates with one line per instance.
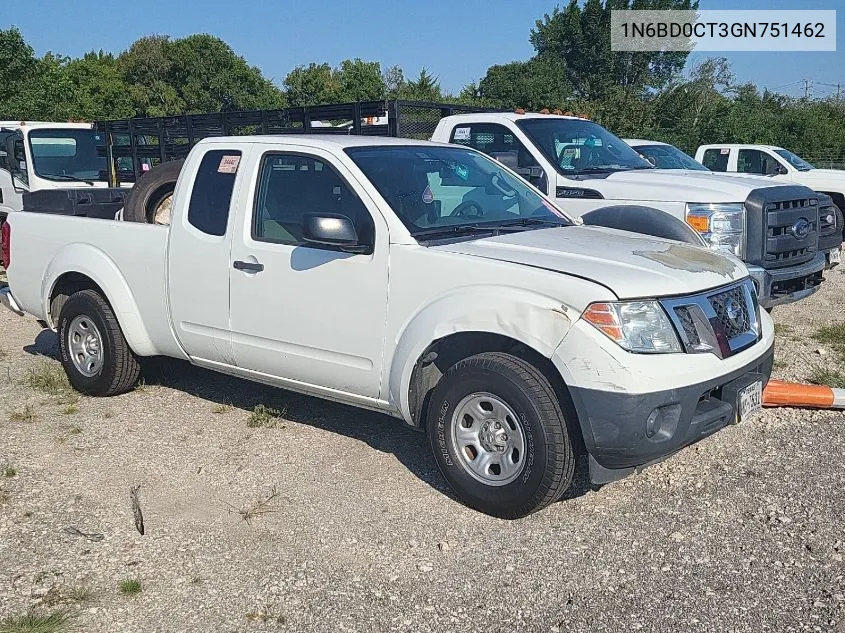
(419, 279)
(63, 158)
(590, 170)
(777, 163)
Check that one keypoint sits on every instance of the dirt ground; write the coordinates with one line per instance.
(304, 515)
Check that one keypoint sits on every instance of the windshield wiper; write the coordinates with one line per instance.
(453, 230)
(533, 222)
(67, 177)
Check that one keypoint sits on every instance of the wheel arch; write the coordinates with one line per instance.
(82, 266)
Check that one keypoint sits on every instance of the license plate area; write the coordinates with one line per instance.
(835, 256)
(749, 401)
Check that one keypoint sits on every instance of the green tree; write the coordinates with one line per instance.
(361, 81)
(312, 84)
(579, 38)
(18, 67)
(426, 87)
(99, 91)
(535, 84)
(146, 71)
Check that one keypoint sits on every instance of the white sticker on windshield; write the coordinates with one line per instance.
(462, 134)
(229, 164)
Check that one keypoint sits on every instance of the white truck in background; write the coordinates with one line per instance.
(831, 224)
(423, 280)
(592, 172)
(63, 158)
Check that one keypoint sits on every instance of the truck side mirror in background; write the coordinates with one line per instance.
(332, 229)
(780, 169)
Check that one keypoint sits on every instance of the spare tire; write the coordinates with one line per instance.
(150, 198)
(645, 220)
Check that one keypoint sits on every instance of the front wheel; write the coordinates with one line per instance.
(499, 435)
(94, 353)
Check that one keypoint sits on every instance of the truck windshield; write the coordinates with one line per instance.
(576, 146)
(796, 161)
(669, 157)
(67, 155)
(451, 190)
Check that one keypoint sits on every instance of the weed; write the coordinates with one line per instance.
(3, 354)
(130, 587)
(27, 414)
(831, 334)
(70, 409)
(262, 416)
(48, 378)
(222, 408)
(75, 430)
(34, 623)
(827, 376)
(248, 513)
(782, 329)
(265, 615)
(80, 593)
(4, 498)
(9, 471)
(108, 415)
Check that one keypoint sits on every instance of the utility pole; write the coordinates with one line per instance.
(808, 88)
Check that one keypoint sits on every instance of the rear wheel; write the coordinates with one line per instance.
(499, 436)
(94, 352)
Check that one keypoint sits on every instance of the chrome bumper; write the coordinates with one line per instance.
(776, 287)
(8, 300)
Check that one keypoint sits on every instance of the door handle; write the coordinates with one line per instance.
(249, 267)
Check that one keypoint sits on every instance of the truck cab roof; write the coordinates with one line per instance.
(320, 141)
(482, 117)
(738, 146)
(45, 124)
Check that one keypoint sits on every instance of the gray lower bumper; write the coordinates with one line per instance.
(787, 285)
(8, 300)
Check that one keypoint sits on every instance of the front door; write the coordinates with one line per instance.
(300, 311)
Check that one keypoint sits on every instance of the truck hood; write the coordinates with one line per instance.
(630, 265)
(672, 185)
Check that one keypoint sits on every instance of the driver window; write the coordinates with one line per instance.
(755, 161)
(500, 143)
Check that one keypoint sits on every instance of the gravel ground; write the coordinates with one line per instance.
(741, 532)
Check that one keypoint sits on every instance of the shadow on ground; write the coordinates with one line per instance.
(381, 432)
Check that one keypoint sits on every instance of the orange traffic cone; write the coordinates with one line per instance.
(789, 394)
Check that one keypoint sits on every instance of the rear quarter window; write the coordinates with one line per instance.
(716, 159)
(211, 196)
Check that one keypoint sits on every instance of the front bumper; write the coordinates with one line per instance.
(8, 300)
(787, 285)
(621, 440)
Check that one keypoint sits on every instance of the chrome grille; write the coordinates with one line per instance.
(723, 322)
(731, 311)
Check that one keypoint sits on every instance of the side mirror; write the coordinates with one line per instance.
(780, 169)
(330, 229)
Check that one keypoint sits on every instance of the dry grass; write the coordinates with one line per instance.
(131, 587)
(261, 507)
(48, 377)
(26, 414)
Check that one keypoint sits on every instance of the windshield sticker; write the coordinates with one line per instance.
(461, 171)
(427, 195)
(229, 164)
(569, 154)
(462, 133)
(725, 150)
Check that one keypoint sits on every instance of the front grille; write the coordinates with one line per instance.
(731, 311)
(784, 245)
(723, 322)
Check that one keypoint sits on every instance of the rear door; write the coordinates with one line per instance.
(198, 253)
(303, 312)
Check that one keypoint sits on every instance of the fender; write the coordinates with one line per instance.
(92, 262)
(536, 320)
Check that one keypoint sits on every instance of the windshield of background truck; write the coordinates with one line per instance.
(446, 187)
(669, 157)
(796, 161)
(67, 155)
(576, 147)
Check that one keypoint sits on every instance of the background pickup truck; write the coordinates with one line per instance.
(831, 224)
(423, 280)
(588, 170)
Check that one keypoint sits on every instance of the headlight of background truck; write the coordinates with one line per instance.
(637, 326)
(721, 225)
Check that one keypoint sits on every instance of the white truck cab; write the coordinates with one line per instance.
(37, 155)
(587, 168)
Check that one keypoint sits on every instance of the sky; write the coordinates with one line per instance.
(456, 40)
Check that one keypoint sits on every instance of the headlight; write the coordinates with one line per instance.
(637, 326)
(721, 225)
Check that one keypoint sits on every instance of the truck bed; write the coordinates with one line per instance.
(109, 252)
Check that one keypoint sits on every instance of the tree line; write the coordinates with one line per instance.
(645, 95)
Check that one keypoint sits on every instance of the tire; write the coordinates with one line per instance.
(645, 220)
(111, 370)
(150, 190)
(531, 416)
